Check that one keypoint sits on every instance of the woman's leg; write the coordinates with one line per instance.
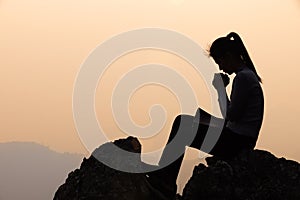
(165, 178)
(227, 145)
(182, 129)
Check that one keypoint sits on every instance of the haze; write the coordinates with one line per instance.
(43, 44)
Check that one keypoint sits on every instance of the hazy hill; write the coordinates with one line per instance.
(29, 171)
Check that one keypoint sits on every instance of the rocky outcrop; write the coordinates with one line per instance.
(256, 175)
(95, 181)
(251, 175)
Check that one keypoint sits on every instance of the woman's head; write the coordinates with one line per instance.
(229, 53)
(223, 46)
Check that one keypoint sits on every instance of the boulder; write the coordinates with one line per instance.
(251, 175)
(94, 180)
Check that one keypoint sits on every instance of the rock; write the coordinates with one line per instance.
(251, 175)
(95, 180)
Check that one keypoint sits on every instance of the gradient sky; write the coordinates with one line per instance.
(43, 44)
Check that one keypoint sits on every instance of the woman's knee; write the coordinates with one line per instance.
(184, 117)
(183, 122)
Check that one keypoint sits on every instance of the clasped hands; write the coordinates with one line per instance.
(225, 79)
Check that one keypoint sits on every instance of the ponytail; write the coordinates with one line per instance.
(244, 54)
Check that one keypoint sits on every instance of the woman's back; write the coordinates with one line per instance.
(246, 108)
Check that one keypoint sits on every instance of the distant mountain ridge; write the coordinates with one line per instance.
(31, 171)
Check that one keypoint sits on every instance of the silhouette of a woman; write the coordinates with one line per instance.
(243, 118)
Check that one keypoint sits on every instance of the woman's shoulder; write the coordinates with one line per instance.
(246, 74)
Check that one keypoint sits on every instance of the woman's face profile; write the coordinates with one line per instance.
(224, 64)
(227, 63)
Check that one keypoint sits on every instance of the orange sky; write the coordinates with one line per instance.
(43, 44)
